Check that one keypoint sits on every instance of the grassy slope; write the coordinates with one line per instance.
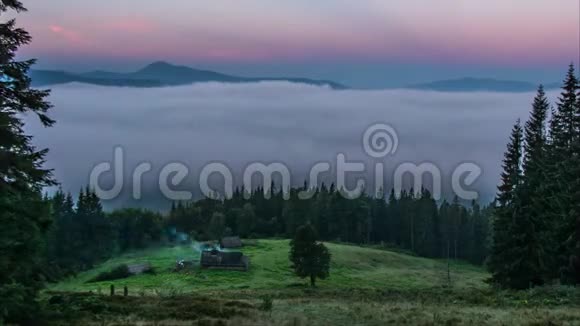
(352, 267)
(366, 287)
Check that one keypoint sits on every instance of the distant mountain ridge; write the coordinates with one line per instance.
(158, 74)
(468, 84)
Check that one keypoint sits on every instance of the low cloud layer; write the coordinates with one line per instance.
(295, 124)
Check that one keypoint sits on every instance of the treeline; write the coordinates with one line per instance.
(82, 234)
(410, 221)
(537, 220)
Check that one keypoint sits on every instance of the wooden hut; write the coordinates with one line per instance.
(216, 259)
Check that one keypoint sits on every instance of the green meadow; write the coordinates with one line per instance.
(352, 267)
(367, 286)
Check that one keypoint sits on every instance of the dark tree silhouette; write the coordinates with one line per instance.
(504, 262)
(309, 257)
(24, 215)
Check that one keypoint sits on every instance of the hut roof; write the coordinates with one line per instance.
(231, 242)
(221, 259)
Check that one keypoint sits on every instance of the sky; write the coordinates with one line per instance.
(362, 42)
(293, 124)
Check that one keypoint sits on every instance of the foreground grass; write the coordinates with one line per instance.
(366, 287)
(319, 307)
(345, 312)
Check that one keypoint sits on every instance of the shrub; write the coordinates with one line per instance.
(119, 272)
(267, 304)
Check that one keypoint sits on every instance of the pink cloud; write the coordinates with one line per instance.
(69, 35)
(56, 29)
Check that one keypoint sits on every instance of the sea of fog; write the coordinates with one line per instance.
(297, 125)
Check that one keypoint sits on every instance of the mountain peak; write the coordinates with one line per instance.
(161, 73)
(160, 64)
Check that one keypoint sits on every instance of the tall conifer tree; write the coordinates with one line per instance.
(562, 169)
(24, 215)
(532, 200)
(502, 251)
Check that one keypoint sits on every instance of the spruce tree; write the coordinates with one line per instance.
(453, 225)
(535, 135)
(565, 120)
(478, 234)
(63, 235)
(97, 234)
(381, 230)
(217, 226)
(309, 258)
(562, 171)
(533, 204)
(571, 272)
(394, 219)
(502, 251)
(24, 215)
